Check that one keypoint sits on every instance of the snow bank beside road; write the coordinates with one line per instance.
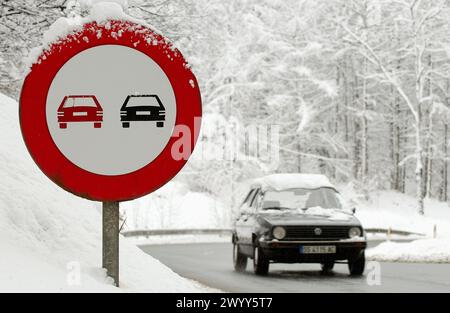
(48, 235)
(425, 250)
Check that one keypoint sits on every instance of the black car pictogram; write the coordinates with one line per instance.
(138, 108)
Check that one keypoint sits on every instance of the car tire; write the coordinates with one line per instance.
(260, 263)
(63, 125)
(239, 259)
(356, 266)
(159, 124)
(126, 125)
(327, 267)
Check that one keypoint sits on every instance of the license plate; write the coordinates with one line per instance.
(317, 249)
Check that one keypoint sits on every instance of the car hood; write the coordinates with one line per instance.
(288, 219)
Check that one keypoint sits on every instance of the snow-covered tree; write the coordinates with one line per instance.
(359, 89)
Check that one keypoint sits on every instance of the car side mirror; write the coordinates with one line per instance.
(353, 210)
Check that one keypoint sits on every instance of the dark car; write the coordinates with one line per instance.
(74, 109)
(296, 218)
(142, 108)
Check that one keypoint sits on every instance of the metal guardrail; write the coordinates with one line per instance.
(163, 232)
(392, 232)
(224, 232)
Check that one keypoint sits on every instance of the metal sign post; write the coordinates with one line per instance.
(111, 240)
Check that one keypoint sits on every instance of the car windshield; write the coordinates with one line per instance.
(293, 199)
(79, 102)
(142, 101)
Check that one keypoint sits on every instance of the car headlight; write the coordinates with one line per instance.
(354, 232)
(279, 232)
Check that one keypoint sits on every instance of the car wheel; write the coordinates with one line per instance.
(97, 125)
(327, 267)
(356, 266)
(260, 263)
(63, 125)
(126, 125)
(239, 259)
(159, 124)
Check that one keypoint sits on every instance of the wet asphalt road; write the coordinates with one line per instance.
(211, 265)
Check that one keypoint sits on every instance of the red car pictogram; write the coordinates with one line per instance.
(80, 109)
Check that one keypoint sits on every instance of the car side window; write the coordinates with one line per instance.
(256, 201)
(246, 205)
(248, 197)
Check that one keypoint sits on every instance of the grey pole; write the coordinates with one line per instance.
(111, 240)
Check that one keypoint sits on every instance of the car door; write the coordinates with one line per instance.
(242, 224)
(249, 219)
(252, 223)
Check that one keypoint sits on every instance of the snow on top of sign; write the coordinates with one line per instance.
(291, 181)
(101, 12)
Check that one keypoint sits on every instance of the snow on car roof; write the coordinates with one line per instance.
(291, 181)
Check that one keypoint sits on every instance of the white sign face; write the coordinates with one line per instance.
(111, 110)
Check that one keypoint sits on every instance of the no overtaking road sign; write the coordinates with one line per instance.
(102, 113)
(100, 109)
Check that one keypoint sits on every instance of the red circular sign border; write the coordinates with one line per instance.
(38, 139)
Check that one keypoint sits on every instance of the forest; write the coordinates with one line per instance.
(359, 90)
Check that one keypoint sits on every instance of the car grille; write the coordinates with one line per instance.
(309, 232)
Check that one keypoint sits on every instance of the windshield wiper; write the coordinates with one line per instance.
(276, 208)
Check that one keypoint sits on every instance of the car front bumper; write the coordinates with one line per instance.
(289, 251)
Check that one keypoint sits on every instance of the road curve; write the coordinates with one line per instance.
(211, 265)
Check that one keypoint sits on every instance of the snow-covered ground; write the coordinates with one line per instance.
(51, 240)
(399, 211)
(174, 206)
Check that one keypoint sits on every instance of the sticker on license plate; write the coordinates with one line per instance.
(317, 249)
